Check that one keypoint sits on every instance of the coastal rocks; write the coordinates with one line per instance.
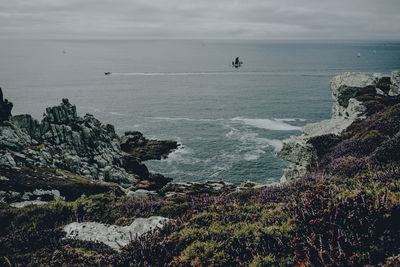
(138, 146)
(194, 188)
(382, 83)
(395, 81)
(154, 181)
(5, 108)
(68, 153)
(134, 166)
(346, 109)
(62, 114)
(82, 146)
(112, 235)
(12, 138)
(27, 124)
(344, 87)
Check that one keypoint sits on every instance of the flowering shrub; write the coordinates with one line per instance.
(344, 212)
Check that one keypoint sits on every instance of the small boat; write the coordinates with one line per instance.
(374, 52)
(359, 55)
(237, 63)
(107, 73)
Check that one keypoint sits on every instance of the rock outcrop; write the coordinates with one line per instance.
(112, 235)
(82, 146)
(64, 143)
(345, 110)
(5, 108)
(143, 149)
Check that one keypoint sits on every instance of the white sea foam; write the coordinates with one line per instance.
(259, 142)
(252, 146)
(289, 119)
(183, 155)
(253, 155)
(268, 124)
(275, 143)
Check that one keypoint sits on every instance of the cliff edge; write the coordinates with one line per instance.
(347, 108)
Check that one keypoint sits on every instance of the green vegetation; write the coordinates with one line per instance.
(344, 212)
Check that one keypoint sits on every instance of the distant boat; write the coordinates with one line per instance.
(359, 55)
(374, 52)
(237, 63)
(107, 73)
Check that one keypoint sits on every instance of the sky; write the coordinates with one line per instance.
(201, 19)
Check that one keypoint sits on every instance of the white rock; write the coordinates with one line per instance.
(3, 178)
(27, 203)
(112, 235)
(349, 79)
(345, 111)
(54, 193)
(395, 80)
(380, 92)
(141, 193)
(7, 160)
(334, 126)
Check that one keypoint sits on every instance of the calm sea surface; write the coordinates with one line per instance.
(230, 122)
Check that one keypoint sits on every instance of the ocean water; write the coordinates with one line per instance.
(230, 122)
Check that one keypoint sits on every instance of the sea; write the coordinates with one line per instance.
(229, 122)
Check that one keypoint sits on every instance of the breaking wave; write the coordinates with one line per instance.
(268, 124)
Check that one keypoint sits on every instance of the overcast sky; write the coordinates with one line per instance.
(201, 19)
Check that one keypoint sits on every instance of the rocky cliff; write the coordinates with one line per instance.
(5, 108)
(347, 108)
(64, 146)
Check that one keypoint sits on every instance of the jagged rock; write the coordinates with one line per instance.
(117, 175)
(5, 108)
(7, 161)
(13, 138)
(395, 80)
(297, 150)
(344, 87)
(112, 235)
(26, 123)
(82, 146)
(381, 82)
(62, 114)
(131, 140)
(136, 145)
(133, 165)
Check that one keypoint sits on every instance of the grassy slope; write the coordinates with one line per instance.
(345, 211)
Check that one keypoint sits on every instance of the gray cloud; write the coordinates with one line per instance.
(237, 19)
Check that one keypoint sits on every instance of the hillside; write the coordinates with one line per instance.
(337, 206)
